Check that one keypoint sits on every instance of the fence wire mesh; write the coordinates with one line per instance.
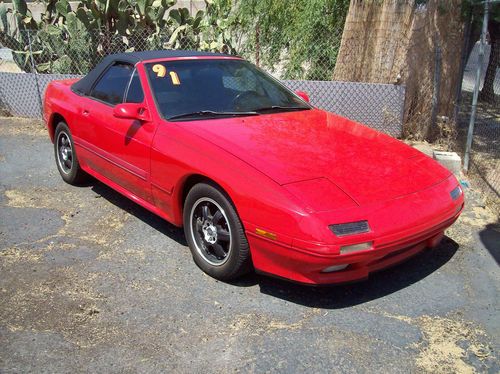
(404, 69)
(484, 166)
(63, 55)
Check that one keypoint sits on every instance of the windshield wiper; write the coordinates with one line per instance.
(281, 108)
(202, 113)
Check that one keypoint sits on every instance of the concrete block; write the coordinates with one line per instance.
(450, 160)
(425, 148)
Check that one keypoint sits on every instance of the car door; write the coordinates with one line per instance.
(120, 147)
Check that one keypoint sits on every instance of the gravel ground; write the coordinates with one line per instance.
(91, 282)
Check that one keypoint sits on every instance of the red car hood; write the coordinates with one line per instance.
(298, 146)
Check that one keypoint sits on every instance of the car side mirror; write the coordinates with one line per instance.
(132, 111)
(303, 95)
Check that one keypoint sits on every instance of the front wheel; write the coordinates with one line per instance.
(215, 234)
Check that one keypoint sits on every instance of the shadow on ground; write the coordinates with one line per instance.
(156, 222)
(490, 237)
(379, 284)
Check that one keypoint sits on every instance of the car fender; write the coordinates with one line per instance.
(260, 202)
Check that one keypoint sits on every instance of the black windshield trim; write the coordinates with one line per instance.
(206, 114)
(278, 108)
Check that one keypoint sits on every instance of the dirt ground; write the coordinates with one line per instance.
(90, 282)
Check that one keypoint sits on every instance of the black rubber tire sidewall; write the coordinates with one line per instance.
(76, 175)
(239, 261)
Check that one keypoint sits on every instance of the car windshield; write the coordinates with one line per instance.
(208, 88)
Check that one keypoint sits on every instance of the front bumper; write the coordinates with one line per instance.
(304, 265)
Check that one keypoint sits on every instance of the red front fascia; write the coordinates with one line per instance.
(399, 231)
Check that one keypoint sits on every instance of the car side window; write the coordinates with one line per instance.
(135, 94)
(112, 85)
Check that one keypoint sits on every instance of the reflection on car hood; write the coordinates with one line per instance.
(298, 146)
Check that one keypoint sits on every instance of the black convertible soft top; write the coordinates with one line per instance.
(84, 85)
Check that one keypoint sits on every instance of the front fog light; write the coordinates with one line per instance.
(355, 247)
(333, 268)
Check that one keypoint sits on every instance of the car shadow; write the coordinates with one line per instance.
(379, 284)
(173, 232)
(490, 237)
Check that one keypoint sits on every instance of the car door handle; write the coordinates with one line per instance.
(85, 112)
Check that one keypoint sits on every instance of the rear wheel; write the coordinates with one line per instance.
(65, 154)
(215, 234)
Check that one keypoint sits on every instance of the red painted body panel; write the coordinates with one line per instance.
(298, 146)
(117, 148)
(397, 225)
(292, 174)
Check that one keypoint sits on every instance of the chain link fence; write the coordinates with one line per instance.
(484, 155)
(404, 69)
(45, 58)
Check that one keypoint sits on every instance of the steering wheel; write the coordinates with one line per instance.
(246, 95)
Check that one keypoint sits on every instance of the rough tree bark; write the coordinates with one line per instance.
(395, 41)
(487, 93)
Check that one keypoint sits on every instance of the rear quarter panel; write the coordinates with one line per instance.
(60, 100)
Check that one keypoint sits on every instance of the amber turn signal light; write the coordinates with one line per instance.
(265, 234)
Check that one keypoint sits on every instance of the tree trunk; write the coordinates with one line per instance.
(394, 41)
(488, 93)
(257, 44)
(374, 41)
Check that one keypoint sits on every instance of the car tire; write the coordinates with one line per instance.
(66, 158)
(215, 234)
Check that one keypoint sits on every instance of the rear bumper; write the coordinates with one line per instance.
(304, 266)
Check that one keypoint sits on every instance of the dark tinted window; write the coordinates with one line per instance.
(135, 94)
(218, 85)
(111, 86)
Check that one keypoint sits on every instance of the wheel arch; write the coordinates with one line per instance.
(189, 182)
(55, 118)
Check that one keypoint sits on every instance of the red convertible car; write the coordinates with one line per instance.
(258, 177)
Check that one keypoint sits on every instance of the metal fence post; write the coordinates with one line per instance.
(436, 88)
(33, 66)
(477, 83)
